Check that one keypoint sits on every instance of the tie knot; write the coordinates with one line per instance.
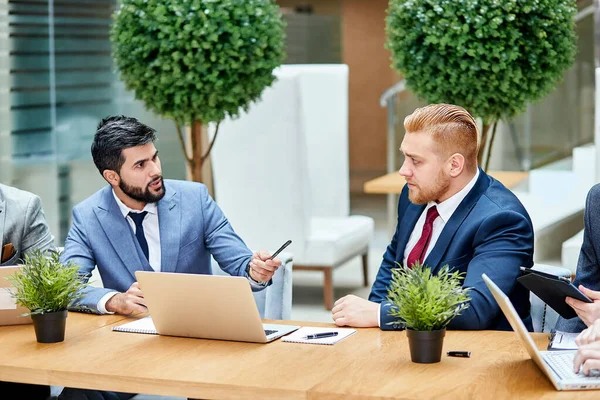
(432, 214)
(138, 218)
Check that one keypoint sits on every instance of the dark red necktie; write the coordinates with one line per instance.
(418, 252)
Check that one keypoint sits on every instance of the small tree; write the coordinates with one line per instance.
(490, 56)
(197, 61)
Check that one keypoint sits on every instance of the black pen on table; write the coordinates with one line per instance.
(279, 250)
(320, 335)
(464, 354)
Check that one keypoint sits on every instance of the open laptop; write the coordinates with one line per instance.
(10, 313)
(557, 365)
(206, 307)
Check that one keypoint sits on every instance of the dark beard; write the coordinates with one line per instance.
(142, 195)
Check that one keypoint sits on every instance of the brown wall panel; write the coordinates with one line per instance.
(363, 36)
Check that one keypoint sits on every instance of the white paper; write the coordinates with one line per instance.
(564, 341)
(7, 302)
(142, 325)
(299, 335)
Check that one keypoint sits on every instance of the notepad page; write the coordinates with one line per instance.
(563, 341)
(142, 325)
(298, 336)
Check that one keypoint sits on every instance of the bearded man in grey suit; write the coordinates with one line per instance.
(23, 229)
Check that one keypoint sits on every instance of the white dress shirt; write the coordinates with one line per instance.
(151, 229)
(445, 210)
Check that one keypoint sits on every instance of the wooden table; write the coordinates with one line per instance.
(392, 184)
(371, 364)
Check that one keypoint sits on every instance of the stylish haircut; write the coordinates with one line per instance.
(453, 129)
(115, 134)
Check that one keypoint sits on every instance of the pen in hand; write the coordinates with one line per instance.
(279, 250)
(320, 335)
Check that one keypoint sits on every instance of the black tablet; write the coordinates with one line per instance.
(552, 290)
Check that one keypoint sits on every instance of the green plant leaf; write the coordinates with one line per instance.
(424, 301)
(46, 285)
(185, 59)
(490, 56)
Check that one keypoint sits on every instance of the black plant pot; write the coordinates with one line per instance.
(50, 327)
(426, 346)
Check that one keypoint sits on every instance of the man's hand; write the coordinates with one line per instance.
(353, 311)
(587, 358)
(589, 335)
(588, 312)
(132, 301)
(261, 267)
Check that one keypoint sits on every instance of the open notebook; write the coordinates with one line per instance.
(563, 341)
(299, 335)
(142, 325)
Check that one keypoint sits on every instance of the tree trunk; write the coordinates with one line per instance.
(489, 151)
(198, 171)
(483, 144)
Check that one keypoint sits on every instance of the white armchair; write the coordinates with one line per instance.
(275, 180)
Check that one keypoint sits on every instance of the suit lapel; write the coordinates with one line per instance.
(169, 222)
(456, 220)
(118, 232)
(406, 226)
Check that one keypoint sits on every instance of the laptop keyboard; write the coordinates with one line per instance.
(270, 331)
(562, 363)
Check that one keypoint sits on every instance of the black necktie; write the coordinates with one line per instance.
(138, 218)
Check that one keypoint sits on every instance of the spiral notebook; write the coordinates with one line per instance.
(300, 335)
(142, 325)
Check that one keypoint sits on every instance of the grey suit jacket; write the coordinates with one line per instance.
(588, 269)
(22, 223)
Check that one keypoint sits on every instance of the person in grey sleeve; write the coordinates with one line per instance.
(23, 226)
(587, 276)
(23, 229)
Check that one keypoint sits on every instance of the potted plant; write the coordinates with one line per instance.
(491, 57)
(46, 287)
(198, 61)
(426, 303)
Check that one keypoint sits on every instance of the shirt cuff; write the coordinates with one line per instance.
(255, 284)
(379, 316)
(103, 300)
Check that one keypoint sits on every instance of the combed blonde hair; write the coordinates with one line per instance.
(453, 129)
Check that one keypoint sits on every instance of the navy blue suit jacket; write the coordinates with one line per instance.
(490, 232)
(192, 228)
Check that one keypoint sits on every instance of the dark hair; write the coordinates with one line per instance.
(115, 134)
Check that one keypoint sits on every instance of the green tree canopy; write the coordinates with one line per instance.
(489, 56)
(197, 60)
